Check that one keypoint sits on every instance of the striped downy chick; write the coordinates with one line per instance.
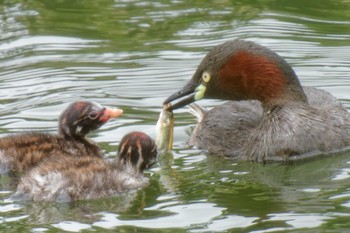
(67, 178)
(20, 152)
(137, 150)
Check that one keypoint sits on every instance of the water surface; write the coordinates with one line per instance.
(133, 54)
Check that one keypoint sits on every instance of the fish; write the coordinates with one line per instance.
(165, 129)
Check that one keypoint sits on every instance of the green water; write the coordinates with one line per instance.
(133, 54)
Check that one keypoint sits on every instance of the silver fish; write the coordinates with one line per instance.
(165, 129)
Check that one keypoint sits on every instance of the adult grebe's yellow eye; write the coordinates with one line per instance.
(206, 77)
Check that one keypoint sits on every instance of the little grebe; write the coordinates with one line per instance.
(65, 178)
(275, 119)
(22, 151)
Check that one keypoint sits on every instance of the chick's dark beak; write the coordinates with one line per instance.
(187, 94)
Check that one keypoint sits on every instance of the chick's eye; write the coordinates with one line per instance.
(206, 77)
(93, 115)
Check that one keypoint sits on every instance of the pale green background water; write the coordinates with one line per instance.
(132, 54)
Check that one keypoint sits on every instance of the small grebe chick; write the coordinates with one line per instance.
(23, 151)
(65, 178)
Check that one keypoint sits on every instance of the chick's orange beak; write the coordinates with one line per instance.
(110, 113)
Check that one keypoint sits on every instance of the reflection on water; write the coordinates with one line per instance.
(132, 54)
(180, 216)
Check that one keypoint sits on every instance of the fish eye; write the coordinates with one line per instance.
(93, 115)
(206, 77)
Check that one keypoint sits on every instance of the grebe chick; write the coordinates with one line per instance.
(23, 151)
(65, 178)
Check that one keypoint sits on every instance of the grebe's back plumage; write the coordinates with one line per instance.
(227, 128)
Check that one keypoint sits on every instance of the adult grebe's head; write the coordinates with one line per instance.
(241, 70)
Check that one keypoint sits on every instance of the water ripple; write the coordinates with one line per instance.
(132, 54)
(178, 216)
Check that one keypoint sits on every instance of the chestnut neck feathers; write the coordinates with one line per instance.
(244, 70)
